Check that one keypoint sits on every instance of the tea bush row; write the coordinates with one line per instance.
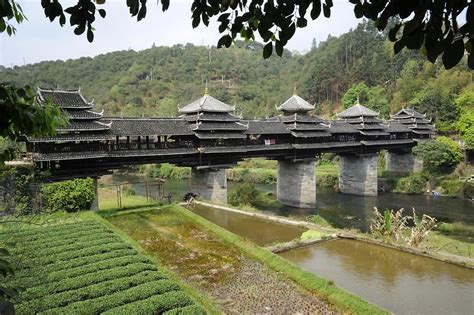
(85, 268)
(79, 236)
(153, 305)
(107, 302)
(90, 292)
(71, 247)
(76, 262)
(45, 231)
(98, 249)
(85, 280)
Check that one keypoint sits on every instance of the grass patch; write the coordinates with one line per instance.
(76, 264)
(327, 169)
(454, 238)
(108, 200)
(311, 235)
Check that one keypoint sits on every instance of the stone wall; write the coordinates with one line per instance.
(296, 184)
(210, 184)
(402, 163)
(358, 174)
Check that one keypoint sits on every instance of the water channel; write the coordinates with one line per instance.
(400, 282)
(397, 281)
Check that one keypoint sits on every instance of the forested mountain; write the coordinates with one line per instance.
(332, 75)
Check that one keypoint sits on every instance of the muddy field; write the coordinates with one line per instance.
(238, 284)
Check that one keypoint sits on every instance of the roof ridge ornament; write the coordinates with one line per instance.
(206, 90)
(294, 89)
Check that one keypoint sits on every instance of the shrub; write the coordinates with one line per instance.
(327, 180)
(244, 194)
(413, 184)
(70, 196)
(440, 156)
(452, 187)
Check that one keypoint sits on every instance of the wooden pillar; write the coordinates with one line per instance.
(147, 140)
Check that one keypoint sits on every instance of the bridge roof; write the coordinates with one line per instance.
(149, 126)
(295, 104)
(357, 111)
(340, 126)
(257, 127)
(206, 103)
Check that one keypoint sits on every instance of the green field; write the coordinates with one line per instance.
(84, 267)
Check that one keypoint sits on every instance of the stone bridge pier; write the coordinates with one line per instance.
(210, 184)
(296, 183)
(358, 174)
(402, 162)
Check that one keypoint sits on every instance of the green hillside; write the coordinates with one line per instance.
(154, 81)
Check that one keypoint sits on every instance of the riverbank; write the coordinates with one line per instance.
(190, 243)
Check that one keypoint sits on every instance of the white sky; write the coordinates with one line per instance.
(37, 39)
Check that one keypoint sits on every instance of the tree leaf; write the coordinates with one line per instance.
(453, 54)
(398, 46)
(267, 50)
(279, 48)
(102, 13)
(224, 41)
(90, 35)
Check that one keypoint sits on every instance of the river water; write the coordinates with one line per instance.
(342, 210)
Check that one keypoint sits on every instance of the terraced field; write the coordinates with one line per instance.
(85, 268)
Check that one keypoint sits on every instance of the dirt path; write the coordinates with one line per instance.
(238, 284)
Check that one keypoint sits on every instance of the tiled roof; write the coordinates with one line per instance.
(71, 137)
(218, 126)
(65, 99)
(341, 127)
(300, 118)
(357, 111)
(301, 126)
(363, 119)
(295, 104)
(149, 127)
(408, 112)
(265, 127)
(84, 125)
(369, 126)
(310, 134)
(211, 117)
(206, 104)
(393, 126)
(82, 114)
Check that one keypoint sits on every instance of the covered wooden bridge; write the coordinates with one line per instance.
(209, 137)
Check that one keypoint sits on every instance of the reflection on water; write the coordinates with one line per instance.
(257, 230)
(398, 281)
